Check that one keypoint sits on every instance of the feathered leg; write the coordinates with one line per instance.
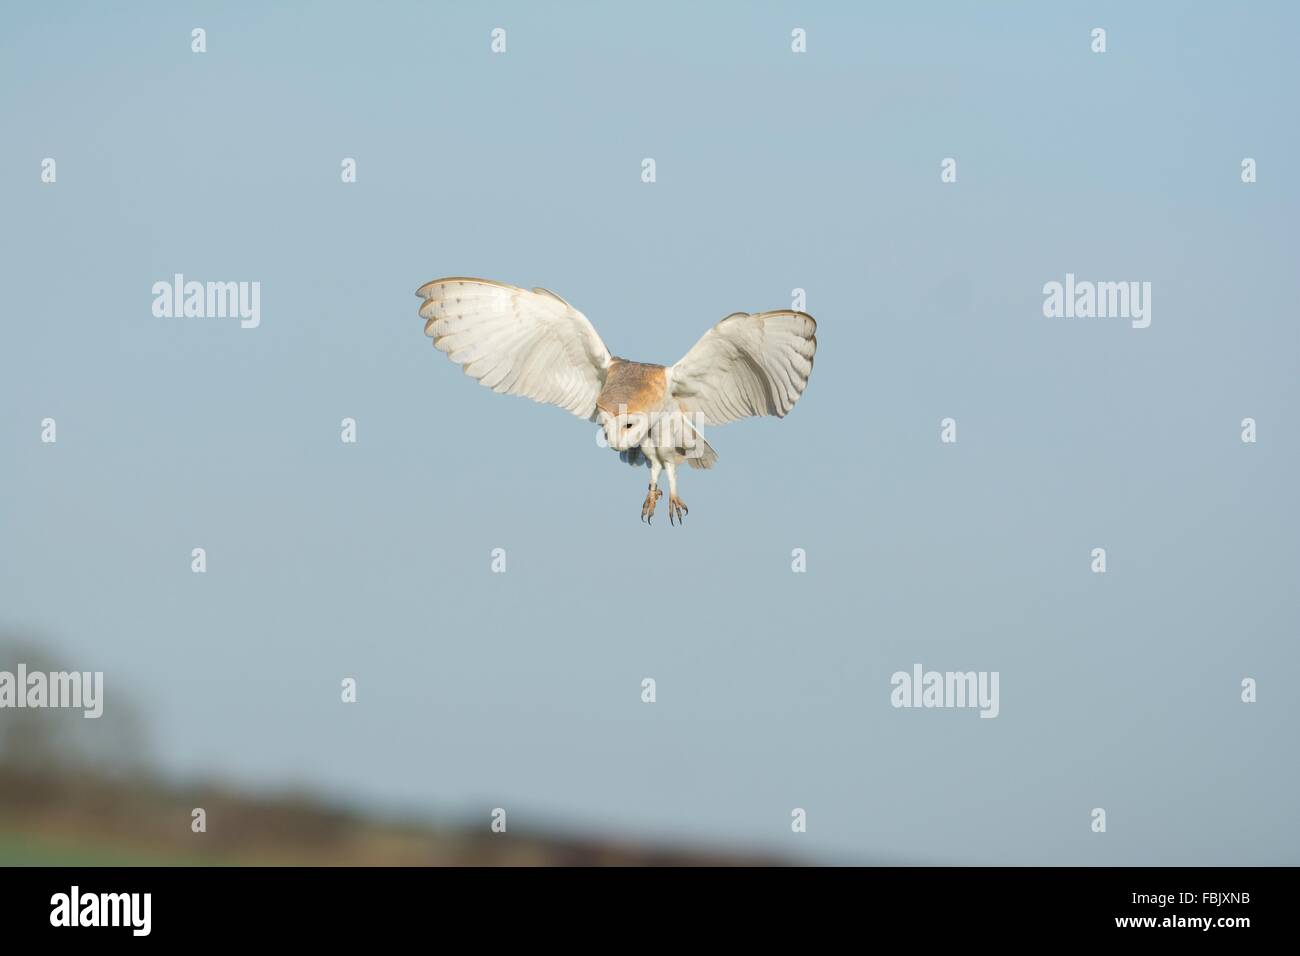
(654, 494)
(677, 511)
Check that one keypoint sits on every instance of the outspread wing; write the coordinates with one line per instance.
(746, 365)
(518, 342)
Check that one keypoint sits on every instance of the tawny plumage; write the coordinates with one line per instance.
(634, 385)
(533, 343)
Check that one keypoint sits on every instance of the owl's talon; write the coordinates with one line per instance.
(677, 510)
(648, 508)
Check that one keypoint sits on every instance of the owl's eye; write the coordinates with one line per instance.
(628, 426)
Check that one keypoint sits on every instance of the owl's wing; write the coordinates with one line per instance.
(518, 342)
(746, 365)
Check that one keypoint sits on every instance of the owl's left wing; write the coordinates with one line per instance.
(746, 365)
(516, 341)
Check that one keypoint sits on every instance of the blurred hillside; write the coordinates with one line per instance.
(54, 819)
(82, 792)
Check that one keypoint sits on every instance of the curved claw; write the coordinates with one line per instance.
(677, 511)
(648, 507)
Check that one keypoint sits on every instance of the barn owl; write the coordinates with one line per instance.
(534, 344)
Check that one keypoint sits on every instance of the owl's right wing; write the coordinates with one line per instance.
(746, 365)
(517, 342)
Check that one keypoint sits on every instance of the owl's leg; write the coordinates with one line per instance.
(654, 494)
(676, 509)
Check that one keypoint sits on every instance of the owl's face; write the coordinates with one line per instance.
(626, 429)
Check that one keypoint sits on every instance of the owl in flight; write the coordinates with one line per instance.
(537, 345)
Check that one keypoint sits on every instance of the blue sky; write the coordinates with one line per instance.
(775, 171)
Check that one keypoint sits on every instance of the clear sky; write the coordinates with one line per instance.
(775, 171)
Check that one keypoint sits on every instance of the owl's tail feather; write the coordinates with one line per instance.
(702, 454)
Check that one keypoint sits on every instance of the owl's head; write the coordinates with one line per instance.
(624, 429)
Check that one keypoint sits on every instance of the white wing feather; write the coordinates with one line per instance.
(517, 342)
(746, 365)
